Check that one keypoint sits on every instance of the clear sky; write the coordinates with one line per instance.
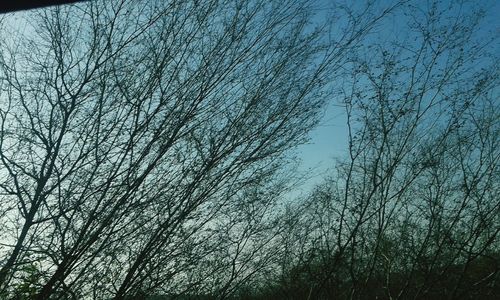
(329, 140)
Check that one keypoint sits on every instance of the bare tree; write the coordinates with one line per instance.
(413, 210)
(129, 128)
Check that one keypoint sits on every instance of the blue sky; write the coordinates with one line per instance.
(329, 140)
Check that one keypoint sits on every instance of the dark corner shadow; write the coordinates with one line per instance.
(12, 6)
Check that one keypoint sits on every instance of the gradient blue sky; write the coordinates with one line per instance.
(329, 140)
